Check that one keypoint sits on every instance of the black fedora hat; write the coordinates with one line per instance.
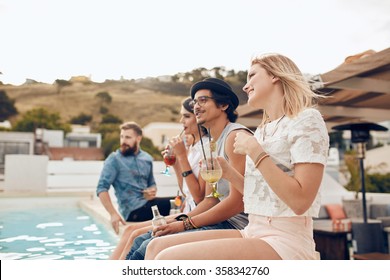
(217, 85)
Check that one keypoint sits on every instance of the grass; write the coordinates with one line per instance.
(129, 101)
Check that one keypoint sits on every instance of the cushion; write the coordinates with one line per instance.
(385, 221)
(335, 211)
(379, 210)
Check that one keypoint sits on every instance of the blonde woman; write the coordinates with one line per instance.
(284, 167)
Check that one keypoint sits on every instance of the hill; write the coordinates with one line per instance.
(129, 101)
(143, 101)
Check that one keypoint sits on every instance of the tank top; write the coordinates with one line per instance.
(240, 220)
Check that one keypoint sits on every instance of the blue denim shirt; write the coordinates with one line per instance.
(129, 176)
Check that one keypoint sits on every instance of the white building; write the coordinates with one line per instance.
(15, 143)
(82, 137)
(53, 138)
(161, 132)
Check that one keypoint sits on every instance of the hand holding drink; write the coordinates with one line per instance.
(169, 159)
(211, 172)
(169, 156)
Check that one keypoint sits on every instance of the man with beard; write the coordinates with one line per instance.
(130, 171)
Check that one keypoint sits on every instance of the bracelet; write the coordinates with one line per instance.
(260, 160)
(181, 217)
(186, 173)
(260, 156)
(192, 222)
(187, 224)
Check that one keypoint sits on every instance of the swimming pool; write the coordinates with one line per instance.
(51, 228)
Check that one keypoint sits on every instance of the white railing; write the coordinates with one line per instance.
(37, 173)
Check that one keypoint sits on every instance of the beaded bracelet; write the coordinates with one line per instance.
(260, 160)
(192, 222)
(187, 224)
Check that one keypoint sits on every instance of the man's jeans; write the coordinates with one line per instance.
(138, 250)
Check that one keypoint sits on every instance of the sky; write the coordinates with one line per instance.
(45, 40)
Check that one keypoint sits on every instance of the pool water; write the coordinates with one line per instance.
(64, 232)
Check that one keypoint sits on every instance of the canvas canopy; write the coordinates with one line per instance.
(357, 91)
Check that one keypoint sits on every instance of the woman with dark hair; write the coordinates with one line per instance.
(187, 159)
(187, 171)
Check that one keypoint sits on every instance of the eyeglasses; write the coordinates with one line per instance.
(200, 101)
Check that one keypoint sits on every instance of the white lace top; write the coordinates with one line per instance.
(303, 139)
(194, 156)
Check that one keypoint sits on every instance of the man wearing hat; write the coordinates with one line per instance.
(214, 104)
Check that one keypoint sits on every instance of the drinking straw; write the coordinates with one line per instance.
(211, 148)
(201, 143)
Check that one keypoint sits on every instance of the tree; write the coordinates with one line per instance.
(40, 118)
(242, 76)
(103, 110)
(61, 84)
(381, 182)
(230, 73)
(7, 107)
(219, 72)
(107, 128)
(353, 167)
(199, 74)
(110, 142)
(81, 119)
(147, 145)
(108, 118)
(104, 96)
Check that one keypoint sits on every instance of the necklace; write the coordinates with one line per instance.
(275, 128)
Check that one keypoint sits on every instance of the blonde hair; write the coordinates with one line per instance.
(297, 93)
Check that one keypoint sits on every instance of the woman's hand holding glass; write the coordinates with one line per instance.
(169, 159)
(178, 146)
(225, 166)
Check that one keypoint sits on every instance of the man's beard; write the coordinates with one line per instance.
(127, 150)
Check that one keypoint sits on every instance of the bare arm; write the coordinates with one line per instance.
(297, 191)
(210, 210)
(231, 174)
(233, 204)
(114, 215)
(196, 186)
(178, 172)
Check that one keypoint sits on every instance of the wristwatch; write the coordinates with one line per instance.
(186, 173)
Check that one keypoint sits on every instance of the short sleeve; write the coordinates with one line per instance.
(107, 175)
(151, 180)
(309, 138)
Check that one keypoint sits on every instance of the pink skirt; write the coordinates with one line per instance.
(290, 237)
